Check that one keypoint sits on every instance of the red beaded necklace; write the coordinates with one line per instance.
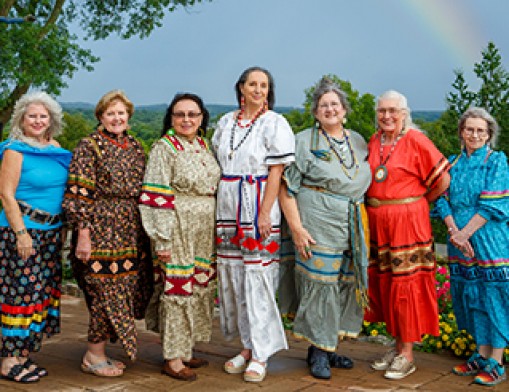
(253, 120)
(122, 145)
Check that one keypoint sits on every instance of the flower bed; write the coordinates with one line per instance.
(459, 342)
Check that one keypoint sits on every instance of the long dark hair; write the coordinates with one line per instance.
(271, 98)
(181, 97)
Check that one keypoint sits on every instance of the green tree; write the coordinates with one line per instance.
(493, 95)
(45, 53)
(76, 127)
(361, 119)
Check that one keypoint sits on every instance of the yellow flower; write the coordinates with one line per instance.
(457, 352)
(374, 332)
(451, 316)
(473, 346)
(366, 323)
(445, 337)
(448, 329)
(453, 346)
(439, 344)
(463, 346)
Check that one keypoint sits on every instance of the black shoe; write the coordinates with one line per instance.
(319, 365)
(340, 361)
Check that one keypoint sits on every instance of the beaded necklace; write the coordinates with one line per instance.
(235, 124)
(381, 171)
(260, 111)
(122, 145)
(342, 161)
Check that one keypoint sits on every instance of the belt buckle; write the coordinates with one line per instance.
(39, 216)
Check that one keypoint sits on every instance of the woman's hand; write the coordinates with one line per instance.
(264, 225)
(25, 246)
(302, 241)
(460, 239)
(84, 245)
(164, 255)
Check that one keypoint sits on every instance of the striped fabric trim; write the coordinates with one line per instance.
(21, 321)
(442, 166)
(112, 255)
(173, 142)
(157, 195)
(494, 195)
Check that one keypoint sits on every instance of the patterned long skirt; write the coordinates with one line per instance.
(29, 292)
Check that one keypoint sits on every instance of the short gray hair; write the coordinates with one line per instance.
(324, 86)
(20, 109)
(478, 112)
(402, 104)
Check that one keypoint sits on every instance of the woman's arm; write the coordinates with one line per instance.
(300, 236)
(10, 173)
(461, 238)
(440, 188)
(269, 197)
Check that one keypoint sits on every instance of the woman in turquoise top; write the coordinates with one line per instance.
(33, 175)
(476, 212)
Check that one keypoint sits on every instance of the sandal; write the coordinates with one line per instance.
(258, 371)
(96, 369)
(238, 365)
(15, 371)
(40, 371)
(120, 365)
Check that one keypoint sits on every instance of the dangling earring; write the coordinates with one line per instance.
(242, 103)
(317, 124)
(170, 132)
(201, 132)
(265, 106)
(344, 120)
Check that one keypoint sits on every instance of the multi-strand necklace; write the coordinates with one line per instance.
(249, 126)
(381, 171)
(342, 158)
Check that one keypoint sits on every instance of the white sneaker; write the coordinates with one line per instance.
(384, 362)
(400, 368)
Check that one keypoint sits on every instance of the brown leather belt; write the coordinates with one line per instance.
(373, 202)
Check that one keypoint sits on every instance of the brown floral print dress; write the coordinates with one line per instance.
(103, 188)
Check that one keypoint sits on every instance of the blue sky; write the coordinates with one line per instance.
(409, 45)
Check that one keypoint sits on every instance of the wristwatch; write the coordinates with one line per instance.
(21, 232)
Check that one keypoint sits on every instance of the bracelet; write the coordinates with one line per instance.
(21, 232)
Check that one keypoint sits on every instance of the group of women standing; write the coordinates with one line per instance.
(203, 210)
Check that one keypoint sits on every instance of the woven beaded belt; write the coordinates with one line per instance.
(38, 215)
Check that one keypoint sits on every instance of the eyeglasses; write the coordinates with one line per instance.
(473, 131)
(390, 111)
(332, 105)
(182, 115)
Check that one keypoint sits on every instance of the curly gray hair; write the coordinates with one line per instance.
(478, 112)
(20, 109)
(324, 86)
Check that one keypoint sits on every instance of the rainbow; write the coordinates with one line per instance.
(453, 25)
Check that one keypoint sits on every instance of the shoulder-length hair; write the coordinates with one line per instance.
(181, 97)
(20, 109)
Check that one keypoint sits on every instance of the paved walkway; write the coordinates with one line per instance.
(287, 370)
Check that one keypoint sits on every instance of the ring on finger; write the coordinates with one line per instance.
(307, 248)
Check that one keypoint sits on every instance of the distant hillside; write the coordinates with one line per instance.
(426, 115)
(214, 109)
